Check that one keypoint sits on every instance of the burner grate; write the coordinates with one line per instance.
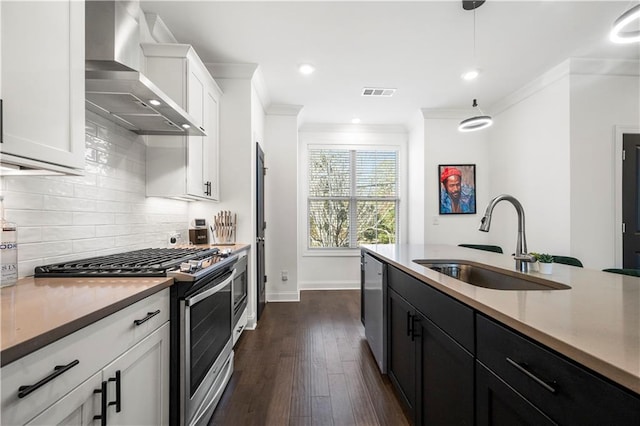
(139, 263)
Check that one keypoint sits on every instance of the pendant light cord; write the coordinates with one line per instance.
(475, 62)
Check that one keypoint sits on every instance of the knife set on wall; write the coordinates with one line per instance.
(224, 227)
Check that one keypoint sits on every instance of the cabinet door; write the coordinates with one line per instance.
(210, 148)
(43, 83)
(498, 404)
(401, 361)
(446, 372)
(142, 374)
(77, 408)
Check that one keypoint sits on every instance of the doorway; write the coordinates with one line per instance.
(631, 201)
(260, 227)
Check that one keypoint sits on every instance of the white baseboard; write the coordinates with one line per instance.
(285, 296)
(329, 285)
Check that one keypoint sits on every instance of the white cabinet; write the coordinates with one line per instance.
(43, 85)
(117, 366)
(184, 167)
(143, 376)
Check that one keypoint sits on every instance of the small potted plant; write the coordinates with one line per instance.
(546, 262)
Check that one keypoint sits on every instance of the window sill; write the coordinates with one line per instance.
(332, 253)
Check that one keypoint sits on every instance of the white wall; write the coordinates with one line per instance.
(342, 271)
(444, 144)
(416, 178)
(105, 211)
(281, 203)
(529, 159)
(598, 104)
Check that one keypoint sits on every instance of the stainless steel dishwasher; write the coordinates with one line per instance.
(375, 309)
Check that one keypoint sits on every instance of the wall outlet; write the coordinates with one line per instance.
(285, 275)
(173, 238)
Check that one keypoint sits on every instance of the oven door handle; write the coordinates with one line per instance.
(190, 301)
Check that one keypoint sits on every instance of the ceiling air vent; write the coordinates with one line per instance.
(378, 91)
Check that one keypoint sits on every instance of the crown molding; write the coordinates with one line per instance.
(280, 109)
(571, 66)
(352, 128)
(239, 71)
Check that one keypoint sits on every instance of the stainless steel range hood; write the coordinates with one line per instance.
(114, 86)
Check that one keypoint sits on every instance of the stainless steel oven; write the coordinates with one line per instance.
(239, 287)
(206, 343)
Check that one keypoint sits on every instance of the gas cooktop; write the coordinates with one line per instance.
(153, 262)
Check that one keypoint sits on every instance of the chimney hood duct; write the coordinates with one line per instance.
(114, 86)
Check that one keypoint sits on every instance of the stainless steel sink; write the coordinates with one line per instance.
(489, 277)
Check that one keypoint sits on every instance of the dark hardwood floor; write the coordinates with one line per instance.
(308, 363)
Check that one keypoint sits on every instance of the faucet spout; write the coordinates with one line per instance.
(522, 257)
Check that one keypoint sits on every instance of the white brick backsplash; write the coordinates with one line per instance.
(105, 211)
(38, 217)
(81, 218)
(23, 200)
(128, 240)
(68, 204)
(113, 207)
(82, 246)
(28, 234)
(30, 251)
(38, 185)
(55, 233)
(113, 230)
(123, 219)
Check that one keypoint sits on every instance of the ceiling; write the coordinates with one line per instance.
(420, 48)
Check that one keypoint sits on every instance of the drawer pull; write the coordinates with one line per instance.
(118, 401)
(522, 368)
(103, 404)
(147, 318)
(57, 370)
(240, 328)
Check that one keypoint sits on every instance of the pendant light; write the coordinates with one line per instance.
(620, 32)
(481, 121)
(476, 122)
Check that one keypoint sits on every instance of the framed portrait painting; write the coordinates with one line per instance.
(457, 188)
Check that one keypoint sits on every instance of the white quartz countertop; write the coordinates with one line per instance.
(596, 322)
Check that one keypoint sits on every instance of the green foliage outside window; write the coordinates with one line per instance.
(352, 198)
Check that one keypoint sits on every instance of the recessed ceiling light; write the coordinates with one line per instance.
(355, 120)
(186, 126)
(154, 102)
(306, 69)
(470, 75)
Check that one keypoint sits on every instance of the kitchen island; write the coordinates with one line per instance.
(594, 324)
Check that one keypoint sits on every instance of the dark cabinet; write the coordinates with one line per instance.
(432, 372)
(401, 360)
(565, 392)
(452, 365)
(498, 404)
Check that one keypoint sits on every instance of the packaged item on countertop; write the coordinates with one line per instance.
(8, 250)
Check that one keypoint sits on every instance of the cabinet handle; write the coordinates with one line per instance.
(240, 328)
(147, 318)
(103, 404)
(522, 367)
(57, 371)
(201, 128)
(414, 319)
(118, 401)
(409, 323)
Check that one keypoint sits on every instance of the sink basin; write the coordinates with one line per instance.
(490, 277)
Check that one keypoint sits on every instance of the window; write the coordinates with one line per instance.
(353, 197)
